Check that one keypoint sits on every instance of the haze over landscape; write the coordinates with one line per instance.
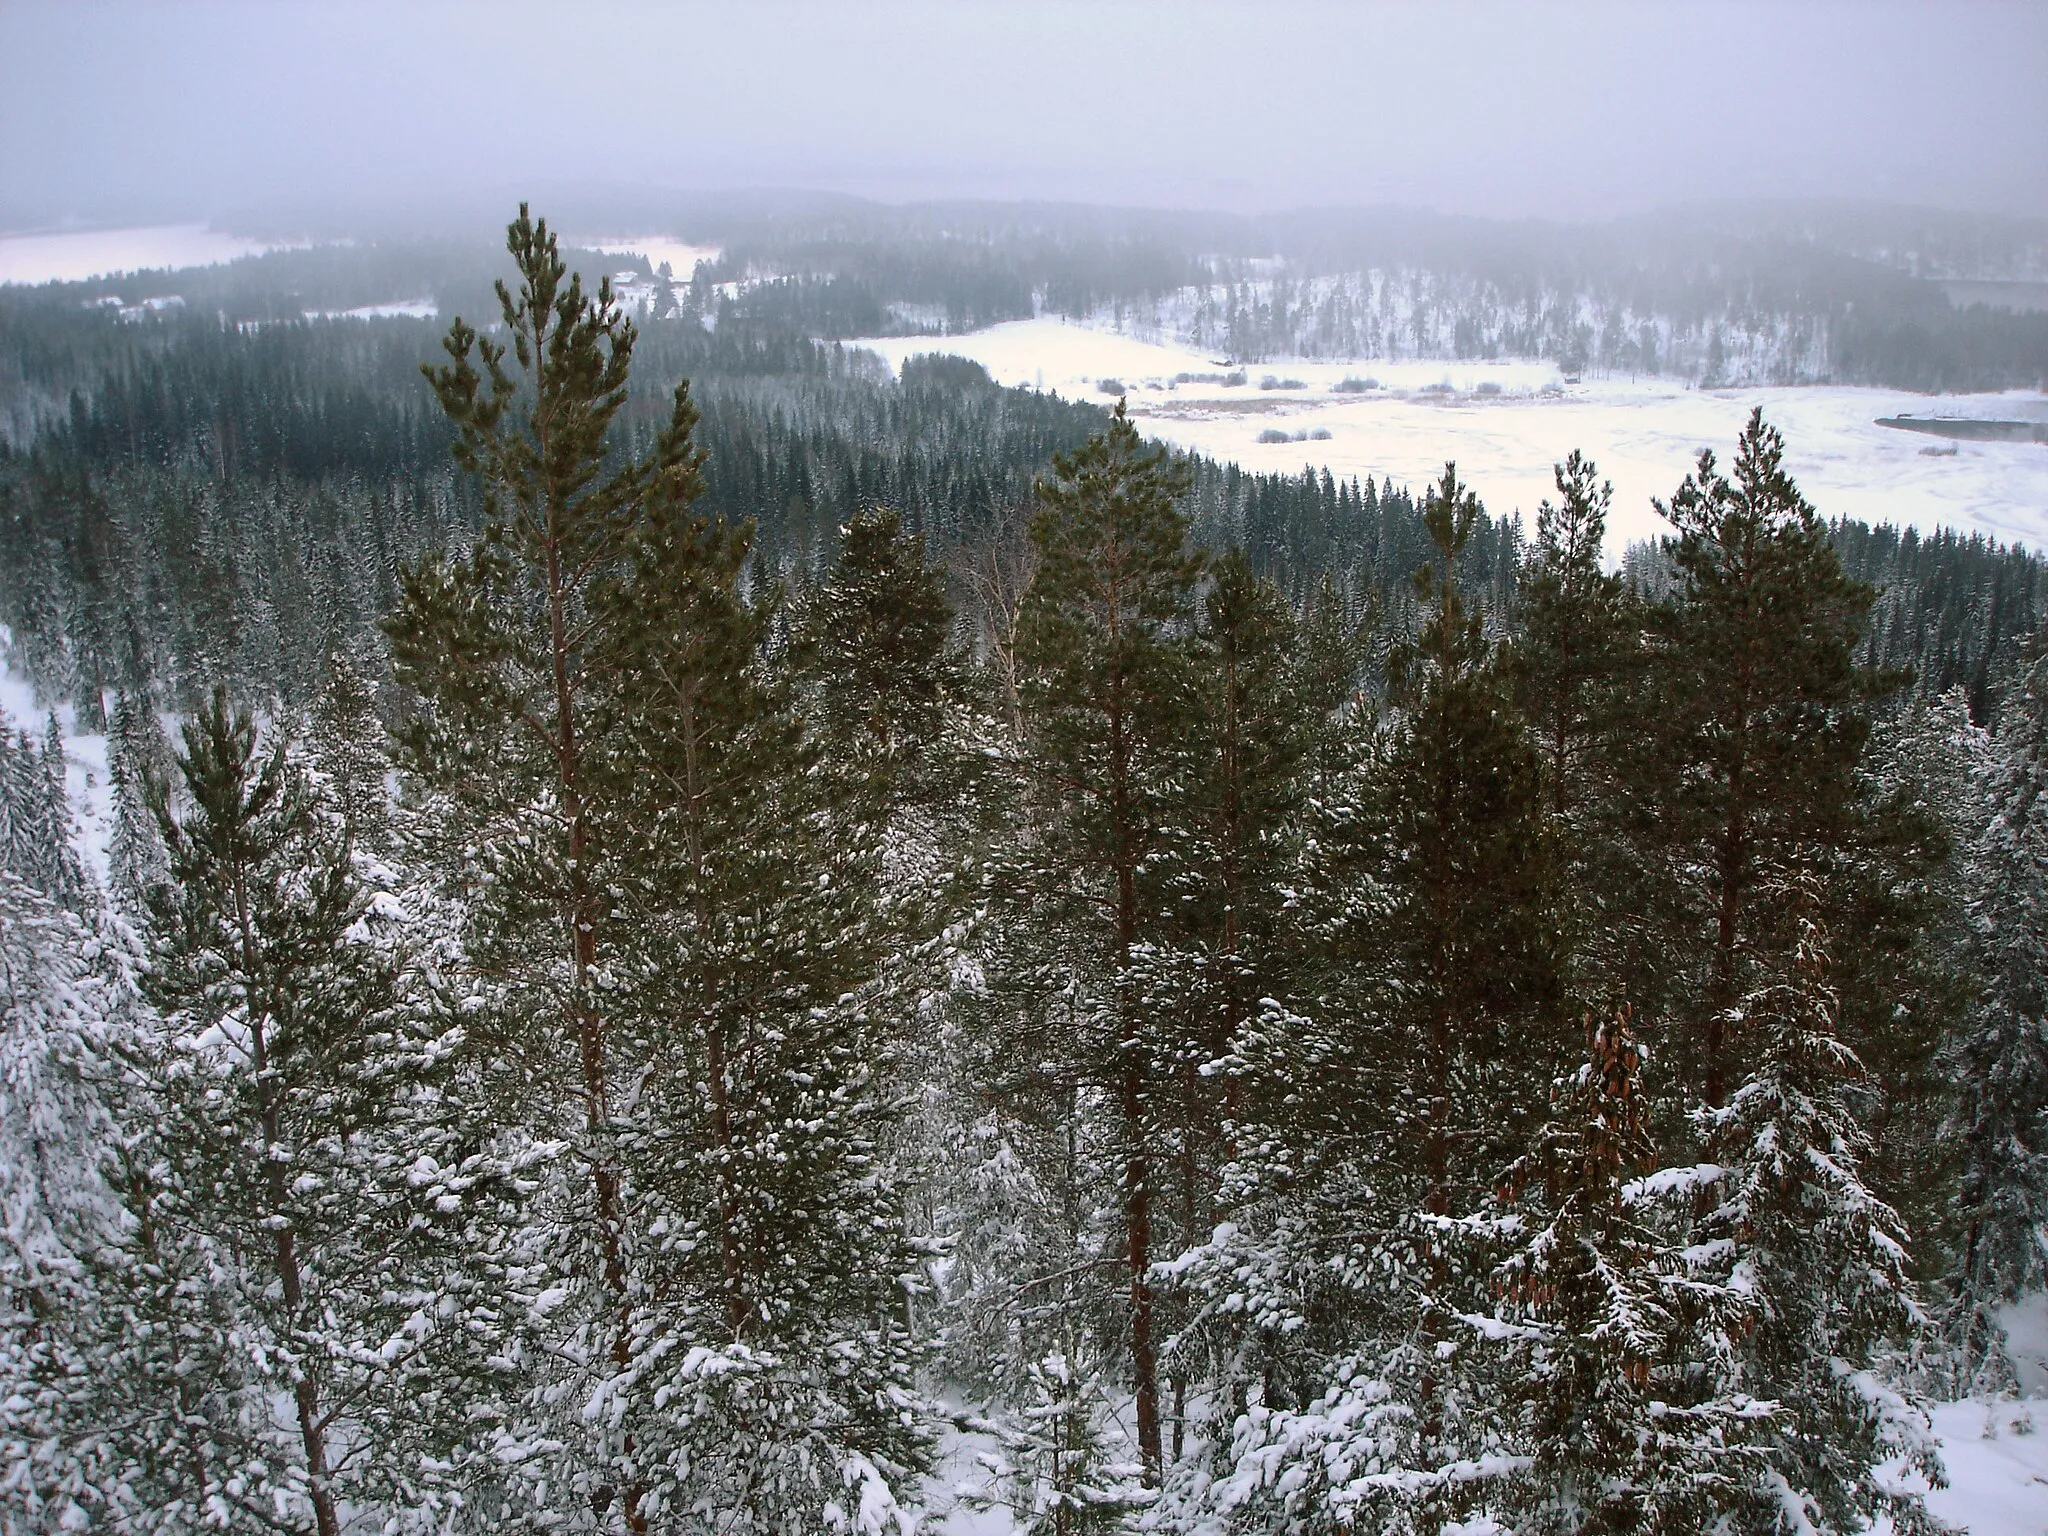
(148, 113)
(1023, 770)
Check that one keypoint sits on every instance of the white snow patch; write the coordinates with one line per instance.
(2026, 1340)
(681, 256)
(1997, 1460)
(959, 1496)
(70, 256)
(1507, 423)
(396, 309)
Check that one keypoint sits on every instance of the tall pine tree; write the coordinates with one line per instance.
(1747, 772)
(517, 666)
(1103, 646)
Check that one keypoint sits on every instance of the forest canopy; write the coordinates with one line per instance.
(689, 926)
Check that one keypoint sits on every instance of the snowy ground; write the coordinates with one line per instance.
(1997, 1459)
(1506, 423)
(1996, 1455)
(74, 255)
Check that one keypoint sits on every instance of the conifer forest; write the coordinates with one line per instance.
(698, 935)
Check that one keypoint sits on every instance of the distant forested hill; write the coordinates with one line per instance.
(1765, 293)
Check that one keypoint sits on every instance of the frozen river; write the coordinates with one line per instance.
(1506, 423)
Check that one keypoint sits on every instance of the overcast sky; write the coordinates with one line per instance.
(1581, 110)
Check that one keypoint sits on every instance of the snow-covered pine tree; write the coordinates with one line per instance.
(1822, 1266)
(297, 1126)
(1573, 637)
(673, 938)
(761, 999)
(1572, 665)
(1999, 1056)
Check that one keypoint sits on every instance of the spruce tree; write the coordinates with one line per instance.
(36, 844)
(1059, 1473)
(136, 752)
(1462, 960)
(1228, 877)
(1821, 1264)
(1604, 1335)
(60, 1415)
(1474, 927)
(1259, 719)
(1999, 1055)
(763, 1000)
(348, 740)
(877, 634)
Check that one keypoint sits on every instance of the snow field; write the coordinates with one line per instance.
(1506, 423)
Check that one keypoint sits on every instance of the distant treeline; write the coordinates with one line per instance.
(1765, 293)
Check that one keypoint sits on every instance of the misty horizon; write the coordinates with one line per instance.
(113, 114)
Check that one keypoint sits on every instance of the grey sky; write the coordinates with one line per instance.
(1579, 110)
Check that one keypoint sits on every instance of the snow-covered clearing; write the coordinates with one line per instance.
(681, 256)
(1506, 423)
(71, 256)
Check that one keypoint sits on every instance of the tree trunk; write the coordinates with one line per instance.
(284, 1248)
(587, 1021)
(1131, 1097)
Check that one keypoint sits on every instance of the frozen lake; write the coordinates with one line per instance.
(71, 256)
(1506, 423)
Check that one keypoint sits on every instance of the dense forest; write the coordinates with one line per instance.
(690, 931)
